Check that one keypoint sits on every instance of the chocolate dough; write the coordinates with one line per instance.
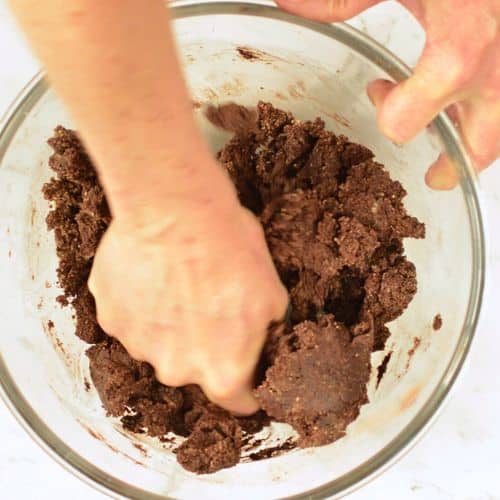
(334, 222)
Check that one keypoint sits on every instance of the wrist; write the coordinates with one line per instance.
(189, 187)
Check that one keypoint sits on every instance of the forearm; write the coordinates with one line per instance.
(114, 64)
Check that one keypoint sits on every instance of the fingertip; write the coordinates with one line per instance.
(245, 408)
(282, 305)
(230, 387)
(326, 10)
(378, 90)
(442, 174)
(304, 8)
(91, 283)
(389, 123)
(240, 402)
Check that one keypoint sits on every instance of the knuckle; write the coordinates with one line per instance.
(441, 75)
(106, 322)
(484, 158)
(226, 383)
(335, 9)
(167, 370)
(169, 376)
(282, 300)
(261, 309)
(457, 72)
(134, 351)
(91, 284)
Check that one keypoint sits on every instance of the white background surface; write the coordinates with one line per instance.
(459, 458)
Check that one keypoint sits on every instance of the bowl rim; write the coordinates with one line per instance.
(356, 478)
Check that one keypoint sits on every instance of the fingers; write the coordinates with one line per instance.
(480, 126)
(439, 79)
(91, 283)
(282, 304)
(227, 386)
(227, 376)
(233, 396)
(378, 90)
(327, 10)
(477, 119)
(230, 384)
(479, 122)
(405, 109)
(442, 174)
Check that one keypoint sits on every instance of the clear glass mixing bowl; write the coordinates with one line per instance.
(310, 69)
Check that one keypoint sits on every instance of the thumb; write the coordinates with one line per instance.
(327, 10)
(405, 109)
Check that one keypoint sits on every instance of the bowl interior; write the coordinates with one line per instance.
(310, 74)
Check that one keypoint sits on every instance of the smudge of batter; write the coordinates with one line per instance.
(250, 54)
(383, 367)
(273, 451)
(437, 323)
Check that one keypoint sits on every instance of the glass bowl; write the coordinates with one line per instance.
(310, 69)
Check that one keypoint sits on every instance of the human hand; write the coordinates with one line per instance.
(192, 292)
(459, 71)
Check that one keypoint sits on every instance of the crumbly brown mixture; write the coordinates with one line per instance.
(334, 222)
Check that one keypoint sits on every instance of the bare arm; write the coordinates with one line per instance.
(182, 277)
(114, 64)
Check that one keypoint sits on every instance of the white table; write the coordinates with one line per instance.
(459, 458)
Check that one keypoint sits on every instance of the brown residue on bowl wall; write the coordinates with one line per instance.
(232, 117)
(233, 88)
(437, 322)
(254, 55)
(382, 368)
(410, 398)
(49, 329)
(140, 448)
(250, 54)
(210, 94)
(100, 437)
(296, 90)
(280, 96)
(273, 451)
(340, 119)
(416, 344)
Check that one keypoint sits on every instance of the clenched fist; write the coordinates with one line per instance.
(192, 292)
